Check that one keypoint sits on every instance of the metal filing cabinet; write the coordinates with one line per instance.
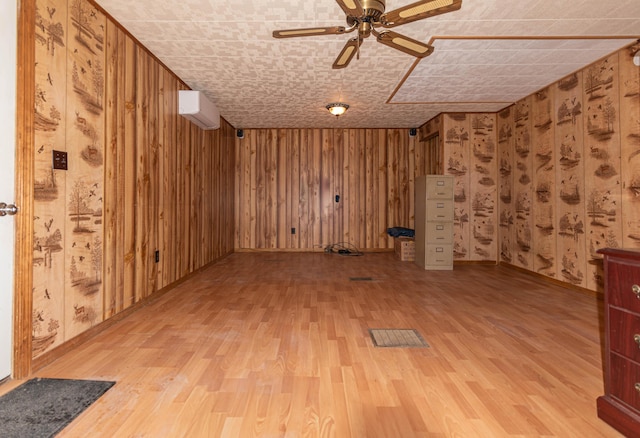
(434, 222)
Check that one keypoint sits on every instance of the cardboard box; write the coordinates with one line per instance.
(405, 249)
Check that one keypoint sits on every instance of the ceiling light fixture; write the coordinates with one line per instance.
(337, 108)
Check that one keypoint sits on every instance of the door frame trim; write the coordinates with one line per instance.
(24, 188)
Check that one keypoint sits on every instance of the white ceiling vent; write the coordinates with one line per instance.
(195, 106)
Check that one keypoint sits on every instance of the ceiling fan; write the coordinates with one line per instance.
(366, 16)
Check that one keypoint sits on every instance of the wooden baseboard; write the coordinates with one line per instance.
(474, 262)
(554, 281)
(305, 250)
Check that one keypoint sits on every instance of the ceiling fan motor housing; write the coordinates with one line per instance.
(373, 10)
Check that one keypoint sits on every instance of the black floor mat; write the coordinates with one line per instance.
(43, 407)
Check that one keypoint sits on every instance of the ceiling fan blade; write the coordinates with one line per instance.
(347, 53)
(418, 11)
(405, 44)
(312, 31)
(352, 8)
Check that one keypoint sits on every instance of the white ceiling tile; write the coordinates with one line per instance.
(488, 54)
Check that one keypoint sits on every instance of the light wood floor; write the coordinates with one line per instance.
(277, 345)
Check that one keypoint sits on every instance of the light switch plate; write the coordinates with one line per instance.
(60, 160)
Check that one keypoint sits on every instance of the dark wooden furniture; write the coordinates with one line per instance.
(620, 404)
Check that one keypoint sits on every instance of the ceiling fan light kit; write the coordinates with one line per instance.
(337, 108)
(366, 16)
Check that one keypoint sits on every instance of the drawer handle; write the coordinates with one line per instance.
(636, 339)
(636, 290)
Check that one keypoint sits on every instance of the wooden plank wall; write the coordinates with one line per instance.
(506, 205)
(169, 183)
(544, 181)
(141, 178)
(470, 154)
(457, 159)
(568, 172)
(483, 175)
(570, 180)
(288, 179)
(630, 147)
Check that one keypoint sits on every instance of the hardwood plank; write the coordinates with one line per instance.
(630, 142)
(111, 172)
(153, 134)
(370, 231)
(142, 182)
(277, 344)
(522, 183)
(120, 135)
(382, 189)
(129, 108)
(602, 166)
(284, 226)
(293, 193)
(505, 184)
(570, 179)
(326, 188)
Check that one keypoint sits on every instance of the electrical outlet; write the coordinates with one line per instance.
(157, 256)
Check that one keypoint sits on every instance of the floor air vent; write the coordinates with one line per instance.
(407, 338)
(360, 278)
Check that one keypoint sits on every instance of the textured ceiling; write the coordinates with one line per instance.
(487, 55)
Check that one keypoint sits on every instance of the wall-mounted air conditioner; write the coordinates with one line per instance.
(195, 106)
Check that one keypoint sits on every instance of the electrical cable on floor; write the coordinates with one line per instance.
(343, 249)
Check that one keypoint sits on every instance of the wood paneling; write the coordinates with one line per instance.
(141, 179)
(506, 204)
(174, 181)
(544, 181)
(567, 166)
(603, 190)
(288, 179)
(457, 160)
(470, 154)
(569, 189)
(630, 147)
(483, 182)
(430, 158)
(522, 185)
(59, 214)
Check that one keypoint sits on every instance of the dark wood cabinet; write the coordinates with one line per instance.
(620, 404)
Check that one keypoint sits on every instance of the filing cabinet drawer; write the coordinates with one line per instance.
(440, 255)
(439, 232)
(439, 188)
(439, 210)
